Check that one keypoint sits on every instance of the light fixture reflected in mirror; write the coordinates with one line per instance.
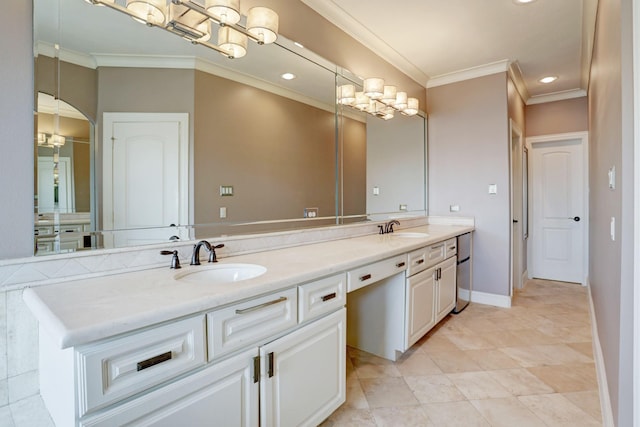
(377, 99)
(192, 21)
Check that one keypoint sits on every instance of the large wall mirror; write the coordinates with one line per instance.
(142, 137)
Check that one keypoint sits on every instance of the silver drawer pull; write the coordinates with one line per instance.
(365, 277)
(155, 360)
(452, 248)
(400, 264)
(420, 261)
(329, 297)
(259, 306)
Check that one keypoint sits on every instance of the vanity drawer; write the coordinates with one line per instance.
(435, 254)
(320, 297)
(417, 261)
(125, 366)
(450, 247)
(363, 276)
(240, 325)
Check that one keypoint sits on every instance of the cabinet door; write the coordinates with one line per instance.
(446, 288)
(420, 306)
(303, 374)
(224, 394)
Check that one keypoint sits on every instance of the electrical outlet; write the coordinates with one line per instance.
(493, 189)
(376, 191)
(223, 212)
(226, 190)
(310, 212)
(403, 207)
(454, 208)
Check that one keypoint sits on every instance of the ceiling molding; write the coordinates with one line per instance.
(73, 57)
(557, 96)
(48, 105)
(516, 76)
(144, 61)
(469, 73)
(347, 23)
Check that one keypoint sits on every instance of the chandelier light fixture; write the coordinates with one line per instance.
(193, 21)
(377, 99)
(51, 140)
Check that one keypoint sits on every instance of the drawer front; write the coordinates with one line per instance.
(363, 276)
(450, 248)
(235, 327)
(71, 228)
(322, 296)
(435, 254)
(417, 261)
(122, 367)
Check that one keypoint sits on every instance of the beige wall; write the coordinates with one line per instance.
(611, 262)
(78, 85)
(468, 150)
(569, 115)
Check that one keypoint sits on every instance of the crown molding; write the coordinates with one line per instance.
(469, 73)
(516, 76)
(556, 96)
(48, 105)
(347, 23)
(73, 57)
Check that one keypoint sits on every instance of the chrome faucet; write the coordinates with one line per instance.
(195, 257)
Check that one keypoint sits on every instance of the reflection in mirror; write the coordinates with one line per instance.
(271, 142)
(62, 177)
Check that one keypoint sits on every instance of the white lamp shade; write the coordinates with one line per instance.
(262, 22)
(362, 101)
(373, 87)
(234, 42)
(412, 107)
(225, 11)
(401, 101)
(148, 11)
(56, 140)
(346, 94)
(389, 95)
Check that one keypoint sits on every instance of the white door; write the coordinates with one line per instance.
(516, 208)
(558, 199)
(46, 188)
(303, 377)
(145, 177)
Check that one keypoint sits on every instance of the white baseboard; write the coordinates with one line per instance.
(603, 388)
(486, 298)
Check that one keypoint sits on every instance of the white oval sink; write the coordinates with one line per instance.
(221, 273)
(413, 235)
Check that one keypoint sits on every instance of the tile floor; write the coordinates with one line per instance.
(530, 365)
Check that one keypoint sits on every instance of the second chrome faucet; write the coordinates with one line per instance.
(195, 256)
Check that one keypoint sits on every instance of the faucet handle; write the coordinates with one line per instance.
(175, 261)
(381, 229)
(212, 252)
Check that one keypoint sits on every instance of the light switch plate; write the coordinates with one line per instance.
(226, 190)
(376, 191)
(612, 178)
(493, 188)
(223, 212)
(403, 207)
(454, 208)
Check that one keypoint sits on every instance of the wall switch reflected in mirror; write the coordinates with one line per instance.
(310, 212)
(226, 190)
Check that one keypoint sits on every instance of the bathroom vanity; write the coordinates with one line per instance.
(167, 347)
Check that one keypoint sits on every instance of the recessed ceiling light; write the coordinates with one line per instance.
(548, 79)
(523, 1)
(299, 45)
(288, 76)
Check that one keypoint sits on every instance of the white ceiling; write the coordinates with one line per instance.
(438, 40)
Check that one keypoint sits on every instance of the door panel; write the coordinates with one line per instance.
(558, 197)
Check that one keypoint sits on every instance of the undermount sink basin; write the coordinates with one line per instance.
(410, 234)
(221, 274)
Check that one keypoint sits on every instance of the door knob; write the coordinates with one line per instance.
(515, 221)
(575, 218)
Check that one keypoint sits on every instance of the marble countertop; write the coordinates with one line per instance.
(82, 311)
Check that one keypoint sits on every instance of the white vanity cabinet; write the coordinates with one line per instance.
(445, 288)
(420, 310)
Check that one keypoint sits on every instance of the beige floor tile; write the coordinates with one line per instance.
(387, 392)
(454, 361)
(436, 343)
(404, 416)
(434, 388)
(469, 341)
(505, 339)
(520, 382)
(417, 363)
(588, 401)
(455, 414)
(557, 410)
(543, 355)
(478, 385)
(350, 417)
(355, 396)
(568, 378)
(507, 412)
(492, 359)
(366, 369)
(585, 348)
